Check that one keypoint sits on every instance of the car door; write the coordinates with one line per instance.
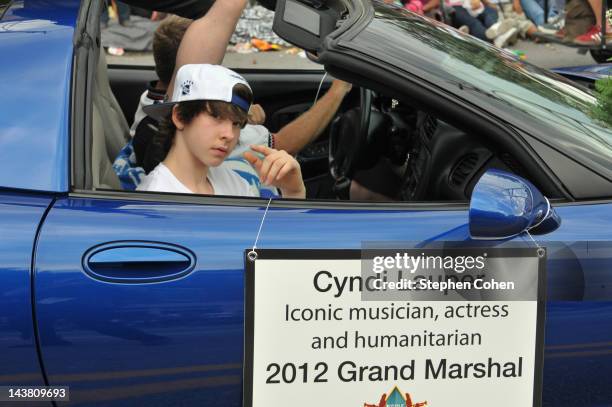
(20, 217)
(145, 336)
(578, 351)
(578, 333)
(122, 327)
(142, 300)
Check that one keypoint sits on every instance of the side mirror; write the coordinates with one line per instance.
(504, 205)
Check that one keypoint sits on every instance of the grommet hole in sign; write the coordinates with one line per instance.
(541, 251)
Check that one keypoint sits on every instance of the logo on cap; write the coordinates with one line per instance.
(186, 87)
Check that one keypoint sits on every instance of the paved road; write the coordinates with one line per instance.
(553, 55)
(544, 55)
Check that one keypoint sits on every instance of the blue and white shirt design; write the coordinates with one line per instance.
(129, 173)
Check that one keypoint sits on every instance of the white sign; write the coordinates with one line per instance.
(311, 339)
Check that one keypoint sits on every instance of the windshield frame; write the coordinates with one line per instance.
(371, 38)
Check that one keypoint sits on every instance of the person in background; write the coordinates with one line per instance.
(471, 16)
(431, 8)
(122, 10)
(416, 6)
(514, 23)
(477, 15)
(593, 35)
(534, 10)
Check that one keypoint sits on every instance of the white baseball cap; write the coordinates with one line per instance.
(201, 82)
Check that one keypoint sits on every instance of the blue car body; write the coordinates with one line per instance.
(38, 40)
(589, 73)
(180, 341)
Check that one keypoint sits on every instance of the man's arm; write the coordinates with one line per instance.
(516, 6)
(431, 4)
(206, 39)
(306, 128)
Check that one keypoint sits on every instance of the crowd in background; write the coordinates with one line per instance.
(500, 22)
(577, 21)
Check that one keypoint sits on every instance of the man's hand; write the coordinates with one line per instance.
(278, 169)
(256, 115)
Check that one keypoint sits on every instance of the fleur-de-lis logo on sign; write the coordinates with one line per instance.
(396, 398)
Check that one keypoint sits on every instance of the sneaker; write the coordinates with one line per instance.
(561, 33)
(547, 29)
(464, 29)
(507, 38)
(552, 27)
(556, 19)
(499, 28)
(526, 28)
(116, 51)
(592, 37)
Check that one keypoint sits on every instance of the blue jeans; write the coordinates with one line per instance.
(534, 10)
(478, 25)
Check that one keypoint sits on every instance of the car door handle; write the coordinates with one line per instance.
(136, 262)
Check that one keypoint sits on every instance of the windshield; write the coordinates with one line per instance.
(559, 112)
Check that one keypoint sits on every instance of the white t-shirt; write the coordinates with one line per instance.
(223, 180)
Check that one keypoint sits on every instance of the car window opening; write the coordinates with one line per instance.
(407, 155)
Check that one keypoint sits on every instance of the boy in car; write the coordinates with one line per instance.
(200, 127)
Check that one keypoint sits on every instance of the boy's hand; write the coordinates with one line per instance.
(256, 115)
(278, 169)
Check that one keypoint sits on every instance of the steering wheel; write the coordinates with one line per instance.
(348, 139)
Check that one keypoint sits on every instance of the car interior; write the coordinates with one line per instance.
(389, 146)
(416, 155)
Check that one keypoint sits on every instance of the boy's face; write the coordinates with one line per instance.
(211, 139)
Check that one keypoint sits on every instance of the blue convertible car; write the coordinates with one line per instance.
(137, 298)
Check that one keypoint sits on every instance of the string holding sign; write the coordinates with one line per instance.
(252, 255)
